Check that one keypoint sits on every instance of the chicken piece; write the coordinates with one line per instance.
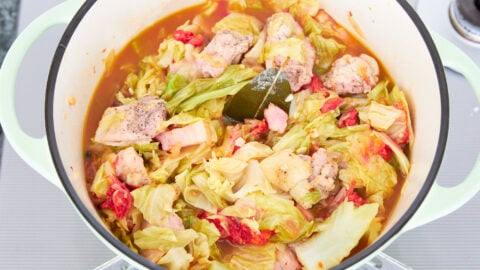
(281, 26)
(227, 47)
(286, 259)
(324, 173)
(130, 168)
(276, 118)
(234, 35)
(321, 164)
(285, 169)
(352, 75)
(196, 133)
(135, 123)
(287, 47)
(298, 73)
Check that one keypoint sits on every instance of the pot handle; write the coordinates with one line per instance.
(442, 201)
(34, 151)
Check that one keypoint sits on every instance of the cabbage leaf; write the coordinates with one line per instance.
(367, 169)
(291, 48)
(382, 117)
(101, 183)
(326, 51)
(170, 51)
(241, 23)
(199, 91)
(229, 167)
(155, 202)
(296, 139)
(253, 180)
(176, 258)
(273, 213)
(339, 234)
(155, 237)
(253, 257)
(252, 150)
(175, 82)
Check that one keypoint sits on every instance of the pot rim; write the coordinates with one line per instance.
(126, 251)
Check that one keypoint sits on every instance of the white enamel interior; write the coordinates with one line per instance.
(386, 29)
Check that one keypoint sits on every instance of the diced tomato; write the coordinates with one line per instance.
(260, 128)
(353, 196)
(197, 40)
(386, 152)
(183, 36)
(238, 233)
(331, 104)
(378, 147)
(119, 198)
(188, 37)
(348, 119)
(316, 85)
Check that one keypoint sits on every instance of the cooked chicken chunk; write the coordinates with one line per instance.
(307, 179)
(298, 73)
(324, 173)
(234, 35)
(287, 47)
(135, 123)
(321, 164)
(352, 75)
(130, 168)
(284, 170)
(226, 47)
(281, 26)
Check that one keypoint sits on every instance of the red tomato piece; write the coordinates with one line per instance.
(348, 119)
(238, 233)
(331, 104)
(353, 196)
(119, 198)
(378, 147)
(197, 40)
(316, 85)
(183, 36)
(260, 128)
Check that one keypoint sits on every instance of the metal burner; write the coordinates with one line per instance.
(465, 18)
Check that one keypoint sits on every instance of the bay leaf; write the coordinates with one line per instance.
(270, 86)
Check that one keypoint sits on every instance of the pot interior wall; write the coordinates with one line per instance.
(381, 24)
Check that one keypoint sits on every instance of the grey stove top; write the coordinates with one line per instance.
(39, 229)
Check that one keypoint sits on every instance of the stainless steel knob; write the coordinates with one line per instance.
(465, 18)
